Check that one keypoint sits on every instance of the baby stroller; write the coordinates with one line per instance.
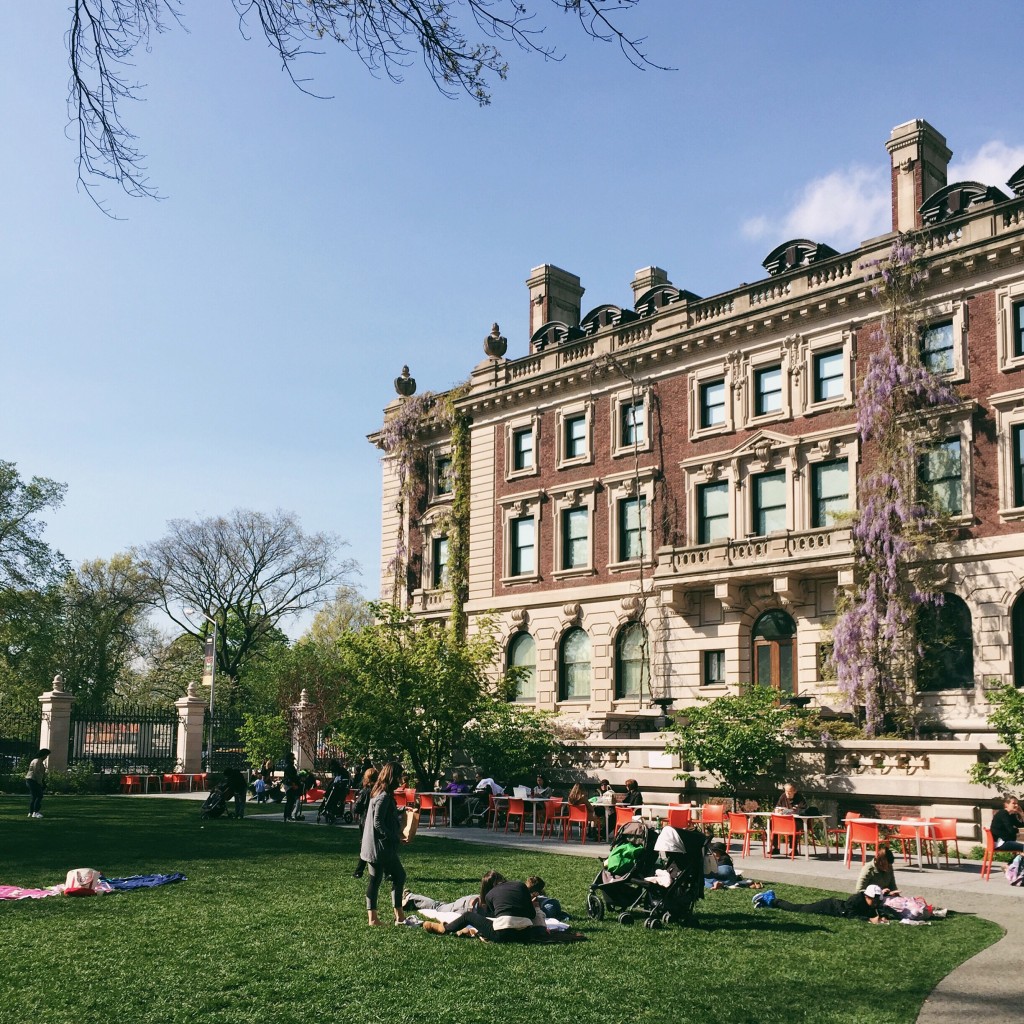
(214, 805)
(333, 805)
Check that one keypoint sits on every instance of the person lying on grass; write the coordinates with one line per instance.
(548, 905)
(879, 872)
(861, 906)
(506, 913)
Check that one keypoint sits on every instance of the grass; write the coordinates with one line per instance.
(271, 928)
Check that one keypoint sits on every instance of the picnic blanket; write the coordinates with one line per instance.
(17, 892)
(447, 916)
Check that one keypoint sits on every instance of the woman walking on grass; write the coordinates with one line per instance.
(382, 834)
(35, 779)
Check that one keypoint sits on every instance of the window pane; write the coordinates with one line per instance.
(937, 347)
(831, 492)
(768, 391)
(769, 503)
(523, 655)
(631, 663)
(786, 668)
(522, 546)
(633, 423)
(575, 437)
(939, 477)
(945, 633)
(714, 668)
(1018, 329)
(630, 534)
(443, 479)
(440, 553)
(522, 449)
(712, 404)
(575, 537)
(713, 513)
(575, 666)
(1018, 466)
(763, 655)
(828, 376)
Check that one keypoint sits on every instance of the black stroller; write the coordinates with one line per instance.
(214, 805)
(333, 805)
(629, 883)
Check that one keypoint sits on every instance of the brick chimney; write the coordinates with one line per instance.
(920, 159)
(645, 279)
(555, 294)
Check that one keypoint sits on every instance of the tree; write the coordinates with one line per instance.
(29, 638)
(1007, 718)
(26, 560)
(742, 740)
(249, 571)
(386, 36)
(510, 742)
(168, 666)
(264, 734)
(410, 686)
(346, 612)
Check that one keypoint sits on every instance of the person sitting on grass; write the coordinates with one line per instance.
(548, 905)
(724, 875)
(879, 872)
(506, 913)
(861, 906)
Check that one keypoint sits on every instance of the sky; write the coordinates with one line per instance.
(233, 344)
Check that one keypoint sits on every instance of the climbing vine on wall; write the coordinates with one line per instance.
(899, 411)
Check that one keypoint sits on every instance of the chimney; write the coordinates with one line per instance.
(920, 159)
(645, 279)
(555, 294)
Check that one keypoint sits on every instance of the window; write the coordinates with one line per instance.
(439, 561)
(575, 538)
(1018, 328)
(1017, 637)
(714, 668)
(769, 511)
(631, 676)
(443, 475)
(938, 473)
(712, 512)
(772, 636)
(574, 666)
(631, 516)
(827, 661)
(1018, 466)
(945, 635)
(830, 492)
(937, 347)
(523, 561)
(712, 404)
(522, 655)
(631, 425)
(768, 391)
(829, 376)
(575, 437)
(522, 449)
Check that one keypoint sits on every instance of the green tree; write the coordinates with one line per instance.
(509, 742)
(264, 735)
(741, 740)
(26, 560)
(29, 639)
(1007, 718)
(346, 612)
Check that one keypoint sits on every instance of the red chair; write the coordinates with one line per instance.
(496, 806)
(516, 809)
(429, 805)
(169, 783)
(131, 784)
(909, 834)
(579, 814)
(679, 816)
(314, 795)
(943, 830)
(740, 827)
(554, 816)
(401, 800)
(624, 813)
(784, 827)
(839, 833)
(862, 834)
(712, 818)
(990, 852)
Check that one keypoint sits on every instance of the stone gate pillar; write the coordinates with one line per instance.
(191, 718)
(55, 726)
(304, 732)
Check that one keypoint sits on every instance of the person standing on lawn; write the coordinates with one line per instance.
(235, 786)
(292, 787)
(382, 835)
(35, 780)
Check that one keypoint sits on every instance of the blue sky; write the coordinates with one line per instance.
(233, 345)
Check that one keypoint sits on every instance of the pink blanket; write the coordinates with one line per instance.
(16, 892)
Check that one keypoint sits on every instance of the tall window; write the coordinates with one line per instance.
(830, 492)
(768, 391)
(523, 540)
(937, 347)
(829, 376)
(1018, 466)
(1018, 328)
(522, 449)
(939, 476)
(443, 475)
(712, 512)
(769, 511)
(714, 668)
(575, 538)
(947, 642)
(1017, 628)
(631, 675)
(631, 516)
(522, 655)
(773, 636)
(712, 404)
(574, 666)
(632, 424)
(575, 437)
(440, 562)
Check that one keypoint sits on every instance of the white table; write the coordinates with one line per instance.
(921, 827)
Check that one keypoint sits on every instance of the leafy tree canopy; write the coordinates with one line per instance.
(509, 742)
(1007, 718)
(26, 560)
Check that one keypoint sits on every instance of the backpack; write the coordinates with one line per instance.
(82, 882)
(622, 859)
(1015, 871)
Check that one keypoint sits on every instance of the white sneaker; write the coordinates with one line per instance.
(940, 913)
(37, 815)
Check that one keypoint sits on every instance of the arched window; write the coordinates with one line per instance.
(774, 665)
(631, 673)
(574, 666)
(1017, 626)
(946, 637)
(522, 654)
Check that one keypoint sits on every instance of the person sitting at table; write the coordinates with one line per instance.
(578, 798)
(605, 794)
(1006, 824)
(879, 872)
(791, 800)
(861, 906)
(457, 787)
(541, 790)
(633, 797)
(506, 914)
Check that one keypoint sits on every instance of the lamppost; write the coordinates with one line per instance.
(209, 668)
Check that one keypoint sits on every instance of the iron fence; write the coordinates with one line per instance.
(124, 738)
(19, 735)
(227, 747)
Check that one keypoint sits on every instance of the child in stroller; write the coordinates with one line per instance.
(632, 882)
(215, 804)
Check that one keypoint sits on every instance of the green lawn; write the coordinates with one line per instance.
(270, 928)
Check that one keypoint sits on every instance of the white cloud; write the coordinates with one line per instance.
(991, 165)
(756, 227)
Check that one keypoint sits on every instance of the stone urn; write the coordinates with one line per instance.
(404, 384)
(494, 344)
